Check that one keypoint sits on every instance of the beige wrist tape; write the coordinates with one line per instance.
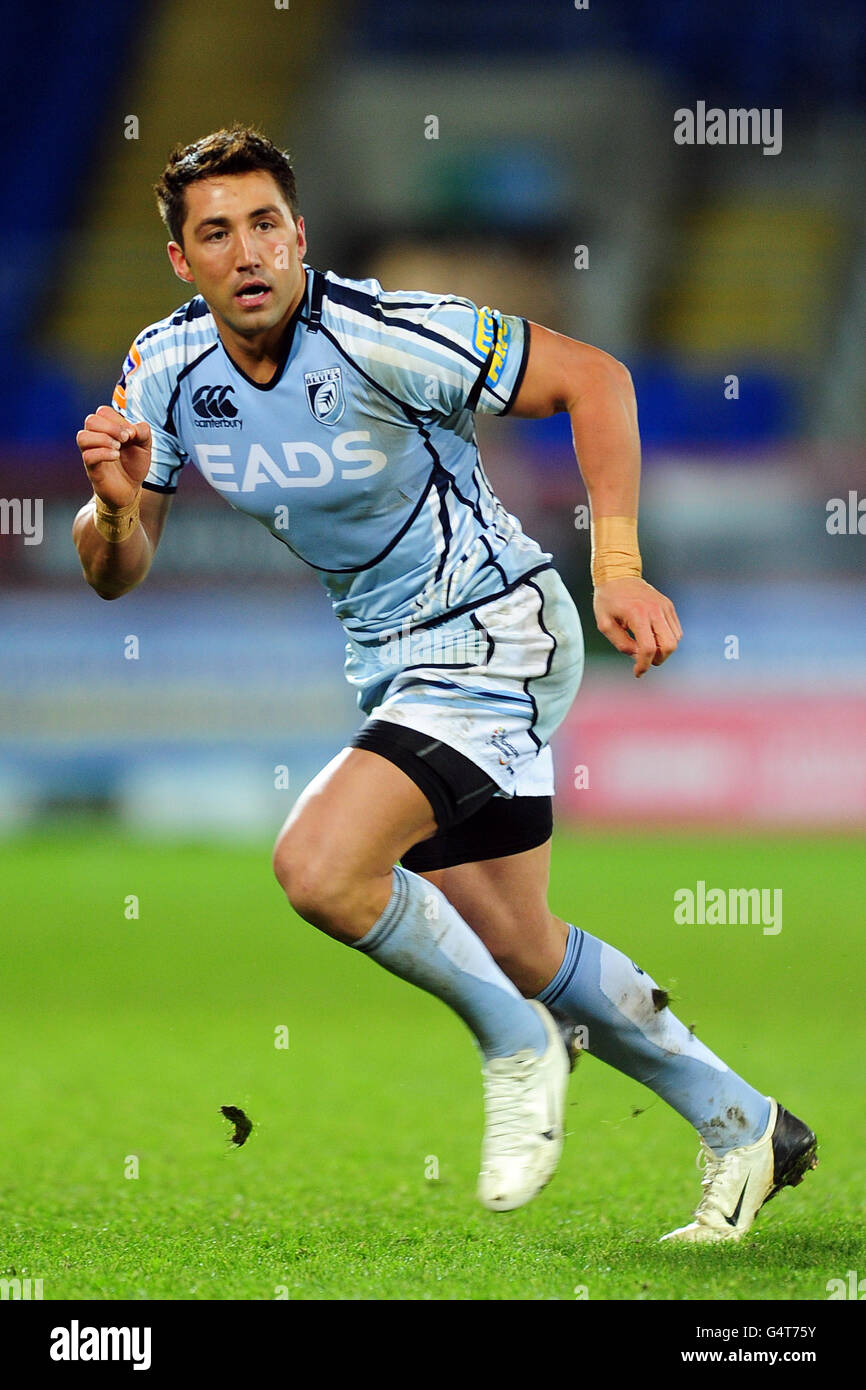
(615, 553)
(116, 524)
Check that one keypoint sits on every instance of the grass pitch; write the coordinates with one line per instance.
(125, 1035)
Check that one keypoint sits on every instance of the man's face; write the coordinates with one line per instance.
(243, 251)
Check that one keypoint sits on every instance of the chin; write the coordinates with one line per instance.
(253, 323)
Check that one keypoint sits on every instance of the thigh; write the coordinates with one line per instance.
(361, 813)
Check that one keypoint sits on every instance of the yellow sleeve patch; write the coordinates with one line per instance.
(485, 334)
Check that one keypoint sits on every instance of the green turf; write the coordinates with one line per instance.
(124, 1037)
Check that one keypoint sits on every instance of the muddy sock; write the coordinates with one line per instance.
(629, 1025)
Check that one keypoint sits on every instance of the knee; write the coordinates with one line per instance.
(307, 877)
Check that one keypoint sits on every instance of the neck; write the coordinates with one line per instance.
(259, 354)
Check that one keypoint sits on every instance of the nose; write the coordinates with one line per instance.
(248, 256)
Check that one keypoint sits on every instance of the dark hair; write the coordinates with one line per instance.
(236, 149)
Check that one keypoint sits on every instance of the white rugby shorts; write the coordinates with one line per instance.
(494, 683)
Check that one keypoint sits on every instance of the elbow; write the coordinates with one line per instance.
(623, 377)
(599, 374)
(104, 589)
(112, 591)
(624, 386)
(622, 372)
(606, 367)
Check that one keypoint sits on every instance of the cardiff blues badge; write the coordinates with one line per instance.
(325, 394)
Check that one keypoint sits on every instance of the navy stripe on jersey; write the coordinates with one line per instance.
(491, 644)
(444, 521)
(168, 422)
(491, 559)
(407, 409)
(436, 478)
(474, 394)
(377, 559)
(379, 311)
(195, 309)
(505, 696)
(425, 624)
(367, 304)
(531, 731)
(317, 294)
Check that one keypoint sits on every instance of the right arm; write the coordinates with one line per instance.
(116, 455)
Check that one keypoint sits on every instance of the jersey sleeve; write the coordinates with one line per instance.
(143, 393)
(439, 354)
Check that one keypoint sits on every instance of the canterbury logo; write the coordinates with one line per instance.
(212, 403)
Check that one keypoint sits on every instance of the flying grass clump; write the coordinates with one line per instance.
(243, 1125)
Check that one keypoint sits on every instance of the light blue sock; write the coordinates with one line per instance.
(424, 940)
(629, 1026)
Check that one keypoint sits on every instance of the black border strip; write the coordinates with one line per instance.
(474, 396)
(521, 371)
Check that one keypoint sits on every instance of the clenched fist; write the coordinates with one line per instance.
(116, 454)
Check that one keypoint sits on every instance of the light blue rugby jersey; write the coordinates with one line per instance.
(360, 454)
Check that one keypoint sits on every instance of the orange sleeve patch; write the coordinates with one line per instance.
(133, 360)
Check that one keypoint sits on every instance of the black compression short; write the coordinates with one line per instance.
(503, 825)
(474, 824)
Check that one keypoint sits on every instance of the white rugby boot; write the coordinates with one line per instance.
(737, 1185)
(524, 1101)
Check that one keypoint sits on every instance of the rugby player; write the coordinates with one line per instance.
(348, 410)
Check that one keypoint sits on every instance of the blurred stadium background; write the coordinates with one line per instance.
(555, 132)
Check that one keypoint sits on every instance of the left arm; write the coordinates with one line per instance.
(596, 390)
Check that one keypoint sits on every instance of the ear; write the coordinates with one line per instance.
(302, 237)
(179, 263)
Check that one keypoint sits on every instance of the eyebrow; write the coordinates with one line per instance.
(224, 221)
